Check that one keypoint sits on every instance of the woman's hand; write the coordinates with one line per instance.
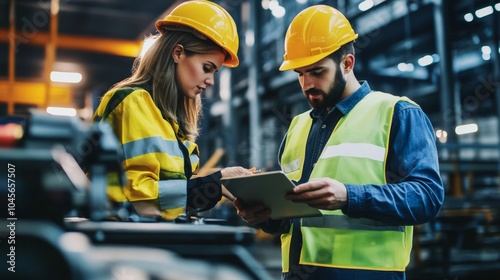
(236, 171)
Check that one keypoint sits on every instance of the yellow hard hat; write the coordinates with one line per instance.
(313, 34)
(209, 19)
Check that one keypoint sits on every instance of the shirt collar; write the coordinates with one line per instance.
(346, 105)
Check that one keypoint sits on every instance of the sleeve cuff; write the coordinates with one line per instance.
(355, 199)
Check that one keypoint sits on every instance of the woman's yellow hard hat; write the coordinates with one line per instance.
(313, 34)
(209, 19)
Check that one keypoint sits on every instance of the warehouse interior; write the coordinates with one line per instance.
(442, 54)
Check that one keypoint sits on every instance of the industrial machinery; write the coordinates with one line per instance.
(59, 223)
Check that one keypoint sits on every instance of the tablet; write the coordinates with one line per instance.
(269, 188)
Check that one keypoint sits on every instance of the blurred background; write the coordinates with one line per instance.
(61, 56)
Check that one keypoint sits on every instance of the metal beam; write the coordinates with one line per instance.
(442, 27)
(12, 54)
(117, 47)
(51, 48)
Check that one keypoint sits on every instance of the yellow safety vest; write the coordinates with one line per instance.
(154, 161)
(355, 153)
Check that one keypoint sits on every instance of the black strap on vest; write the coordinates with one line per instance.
(116, 99)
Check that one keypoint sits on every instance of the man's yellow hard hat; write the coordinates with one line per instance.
(313, 34)
(209, 19)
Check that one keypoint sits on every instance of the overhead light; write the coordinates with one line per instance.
(435, 58)
(486, 49)
(301, 1)
(406, 67)
(425, 60)
(484, 11)
(265, 4)
(249, 38)
(225, 85)
(365, 5)
(497, 7)
(65, 77)
(61, 111)
(278, 12)
(469, 17)
(146, 45)
(273, 4)
(466, 129)
(442, 135)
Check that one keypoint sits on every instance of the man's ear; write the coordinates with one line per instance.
(177, 53)
(348, 63)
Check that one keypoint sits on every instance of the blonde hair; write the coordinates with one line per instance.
(157, 70)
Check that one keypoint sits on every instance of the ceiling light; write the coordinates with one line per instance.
(468, 17)
(442, 135)
(265, 4)
(406, 67)
(278, 12)
(425, 60)
(249, 38)
(65, 77)
(61, 111)
(146, 45)
(365, 5)
(435, 58)
(466, 129)
(273, 4)
(486, 49)
(484, 12)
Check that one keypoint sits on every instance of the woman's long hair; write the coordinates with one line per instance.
(157, 69)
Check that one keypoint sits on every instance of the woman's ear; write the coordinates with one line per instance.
(177, 53)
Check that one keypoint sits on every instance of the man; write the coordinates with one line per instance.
(369, 163)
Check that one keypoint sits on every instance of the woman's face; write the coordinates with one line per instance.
(196, 72)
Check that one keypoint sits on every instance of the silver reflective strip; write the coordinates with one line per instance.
(344, 222)
(294, 165)
(172, 193)
(359, 150)
(194, 158)
(151, 145)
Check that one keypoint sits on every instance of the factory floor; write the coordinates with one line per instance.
(463, 264)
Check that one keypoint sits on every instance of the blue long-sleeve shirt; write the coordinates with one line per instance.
(413, 193)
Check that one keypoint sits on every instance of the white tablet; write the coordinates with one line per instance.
(269, 188)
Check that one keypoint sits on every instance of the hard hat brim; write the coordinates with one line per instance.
(301, 62)
(231, 62)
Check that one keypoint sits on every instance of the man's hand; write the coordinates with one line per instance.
(322, 193)
(252, 214)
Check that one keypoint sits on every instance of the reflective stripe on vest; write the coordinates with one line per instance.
(355, 154)
(344, 222)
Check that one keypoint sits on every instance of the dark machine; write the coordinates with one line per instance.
(59, 223)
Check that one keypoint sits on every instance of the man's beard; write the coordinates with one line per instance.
(331, 98)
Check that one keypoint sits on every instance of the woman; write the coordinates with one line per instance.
(154, 113)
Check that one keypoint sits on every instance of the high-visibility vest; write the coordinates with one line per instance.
(355, 153)
(151, 142)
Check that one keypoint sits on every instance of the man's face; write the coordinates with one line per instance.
(323, 83)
